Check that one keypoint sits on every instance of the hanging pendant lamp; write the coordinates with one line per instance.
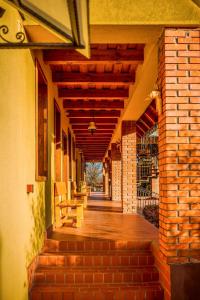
(92, 126)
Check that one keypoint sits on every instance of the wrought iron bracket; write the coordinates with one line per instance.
(20, 36)
(20, 44)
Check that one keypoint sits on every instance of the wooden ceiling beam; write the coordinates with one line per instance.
(93, 104)
(152, 108)
(81, 140)
(94, 138)
(89, 142)
(97, 132)
(95, 148)
(146, 121)
(142, 126)
(100, 127)
(103, 78)
(97, 56)
(118, 93)
(91, 114)
(84, 149)
(92, 154)
(95, 151)
(148, 116)
(95, 156)
(140, 132)
(97, 121)
(145, 124)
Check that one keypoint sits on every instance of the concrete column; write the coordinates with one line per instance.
(129, 189)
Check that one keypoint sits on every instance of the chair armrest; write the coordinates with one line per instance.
(67, 204)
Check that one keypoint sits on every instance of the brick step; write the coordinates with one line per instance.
(91, 245)
(143, 291)
(118, 258)
(69, 276)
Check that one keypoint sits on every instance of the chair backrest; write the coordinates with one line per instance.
(60, 190)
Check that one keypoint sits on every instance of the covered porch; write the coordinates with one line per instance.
(127, 98)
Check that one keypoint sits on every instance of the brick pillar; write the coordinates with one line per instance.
(103, 180)
(109, 174)
(129, 189)
(179, 145)
(105, 171)
(116, 172)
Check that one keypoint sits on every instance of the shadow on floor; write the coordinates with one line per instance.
(104, 208)
(99, 197)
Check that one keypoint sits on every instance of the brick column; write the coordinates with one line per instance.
(179, 145)
(116, 172)
(105, 168)
(129, 189)
(109, 174)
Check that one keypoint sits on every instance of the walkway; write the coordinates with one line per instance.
(103, 219)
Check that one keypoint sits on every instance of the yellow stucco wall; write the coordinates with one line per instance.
(144, 12)
(23, 218)
(18, 224)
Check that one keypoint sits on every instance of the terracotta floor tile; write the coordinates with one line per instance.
(111, 225)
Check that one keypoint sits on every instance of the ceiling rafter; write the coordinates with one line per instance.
(84, 127)
(93, 114)
(97, 120)
(102, 78)
(93, 104)
(98, 56)
(92, 93)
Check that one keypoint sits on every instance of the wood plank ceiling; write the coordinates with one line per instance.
(95, 88)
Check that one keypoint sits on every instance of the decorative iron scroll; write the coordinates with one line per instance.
(20, 36)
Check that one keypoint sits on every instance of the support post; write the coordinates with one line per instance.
(116, 172)
(129, 188)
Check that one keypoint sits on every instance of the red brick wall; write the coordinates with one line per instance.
(129, 190)
(179, 145)
(116, 172)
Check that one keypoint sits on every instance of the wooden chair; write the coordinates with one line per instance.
(66, 210)
(79, 195)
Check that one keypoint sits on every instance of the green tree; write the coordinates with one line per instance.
(94, 175)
